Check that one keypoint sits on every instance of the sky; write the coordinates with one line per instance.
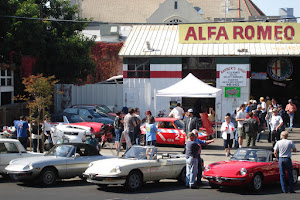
(271, 7)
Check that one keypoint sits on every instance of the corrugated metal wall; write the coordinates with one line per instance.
(104, 94)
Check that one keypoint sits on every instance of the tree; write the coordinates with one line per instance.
(39, 95)
(48, 47)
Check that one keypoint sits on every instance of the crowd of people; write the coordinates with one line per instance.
(33, 135)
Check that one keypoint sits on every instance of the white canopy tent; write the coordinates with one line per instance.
(190, 86)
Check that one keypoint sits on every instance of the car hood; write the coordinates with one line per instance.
(230, 167)
(105, 166)
(34, 160)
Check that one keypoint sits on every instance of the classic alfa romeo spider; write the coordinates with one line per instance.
(138, 165)
(253, 167)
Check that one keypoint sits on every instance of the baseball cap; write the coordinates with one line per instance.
(190, 110)
(262, 98)
(191, 134)
(274, 110)
(290, 100)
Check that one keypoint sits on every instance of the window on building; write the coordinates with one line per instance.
(138, 68)
(176, 5)
(6, 77)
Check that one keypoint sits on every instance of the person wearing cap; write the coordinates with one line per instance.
(264, 112)
(192, 152)
(275, 123)
(177, 112)
(240, 118)
(200, 143)
(253, 106)
(190, 122)
(291, 109)
(283, 152)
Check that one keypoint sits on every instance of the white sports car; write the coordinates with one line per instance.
(11, 149)
(138, 165)
(71, 133)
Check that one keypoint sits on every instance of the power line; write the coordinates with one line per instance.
(135, 23)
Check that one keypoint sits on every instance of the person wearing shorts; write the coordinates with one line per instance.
(240, 118)
(227, 130)
(151, 132)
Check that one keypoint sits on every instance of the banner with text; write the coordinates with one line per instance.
(250, 32)
(233, 74)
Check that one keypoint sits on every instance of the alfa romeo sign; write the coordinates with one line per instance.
(280, 69)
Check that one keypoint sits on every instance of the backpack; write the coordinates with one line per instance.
(250, 126)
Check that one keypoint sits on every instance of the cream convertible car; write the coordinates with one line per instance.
(138, 165)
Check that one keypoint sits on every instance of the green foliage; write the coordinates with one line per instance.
(58, 46)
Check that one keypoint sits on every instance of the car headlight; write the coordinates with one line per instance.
(117, 169)
(28, 167)
(207, 168)
(243, 171)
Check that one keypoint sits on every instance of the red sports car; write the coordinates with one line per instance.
(170, 131)
(253, 167)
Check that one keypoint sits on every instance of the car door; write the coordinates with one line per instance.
(79, 161)
(8, 152)
(161, 169)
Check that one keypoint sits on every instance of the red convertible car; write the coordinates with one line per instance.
(253, 167)
(170, 131)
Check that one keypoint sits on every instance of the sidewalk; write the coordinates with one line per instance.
(215, 151)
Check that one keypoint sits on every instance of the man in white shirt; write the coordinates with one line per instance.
(263, 113)
(275, 123)
(177, 112)
(240, 118)
(283, 152)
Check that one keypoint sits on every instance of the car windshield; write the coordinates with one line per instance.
(179, 124)
(61, 151)
(140, 152)
(103, 108)
(94, 113)
(255, 155)
(75, 119)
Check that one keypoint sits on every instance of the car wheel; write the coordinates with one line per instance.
(182, 176)
(295, 176)
(134, 181)
(256, 183)
(48, 176)
(213, 185)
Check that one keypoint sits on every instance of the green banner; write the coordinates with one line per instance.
(232, 92)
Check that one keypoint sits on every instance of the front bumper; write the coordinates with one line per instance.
(226, 180)
(21, 175)
(108, 180)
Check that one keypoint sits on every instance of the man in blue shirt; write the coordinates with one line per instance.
(22, 126)
(200, 143)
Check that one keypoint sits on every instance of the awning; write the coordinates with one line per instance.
(163, 41)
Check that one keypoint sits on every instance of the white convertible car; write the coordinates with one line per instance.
(11, 149)
(137, 166)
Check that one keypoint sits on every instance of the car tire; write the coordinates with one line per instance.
(48, 176)
(213, 185)
(295, 176)
(182, 176)
(134, 181)
(256, 182)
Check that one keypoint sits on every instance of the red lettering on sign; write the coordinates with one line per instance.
(210, 32)
(200, 34)
(191, 33)
(277, 32)
(238, 31)
(250, 35)
(264, 33)
(292, 31)
(222, 32)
